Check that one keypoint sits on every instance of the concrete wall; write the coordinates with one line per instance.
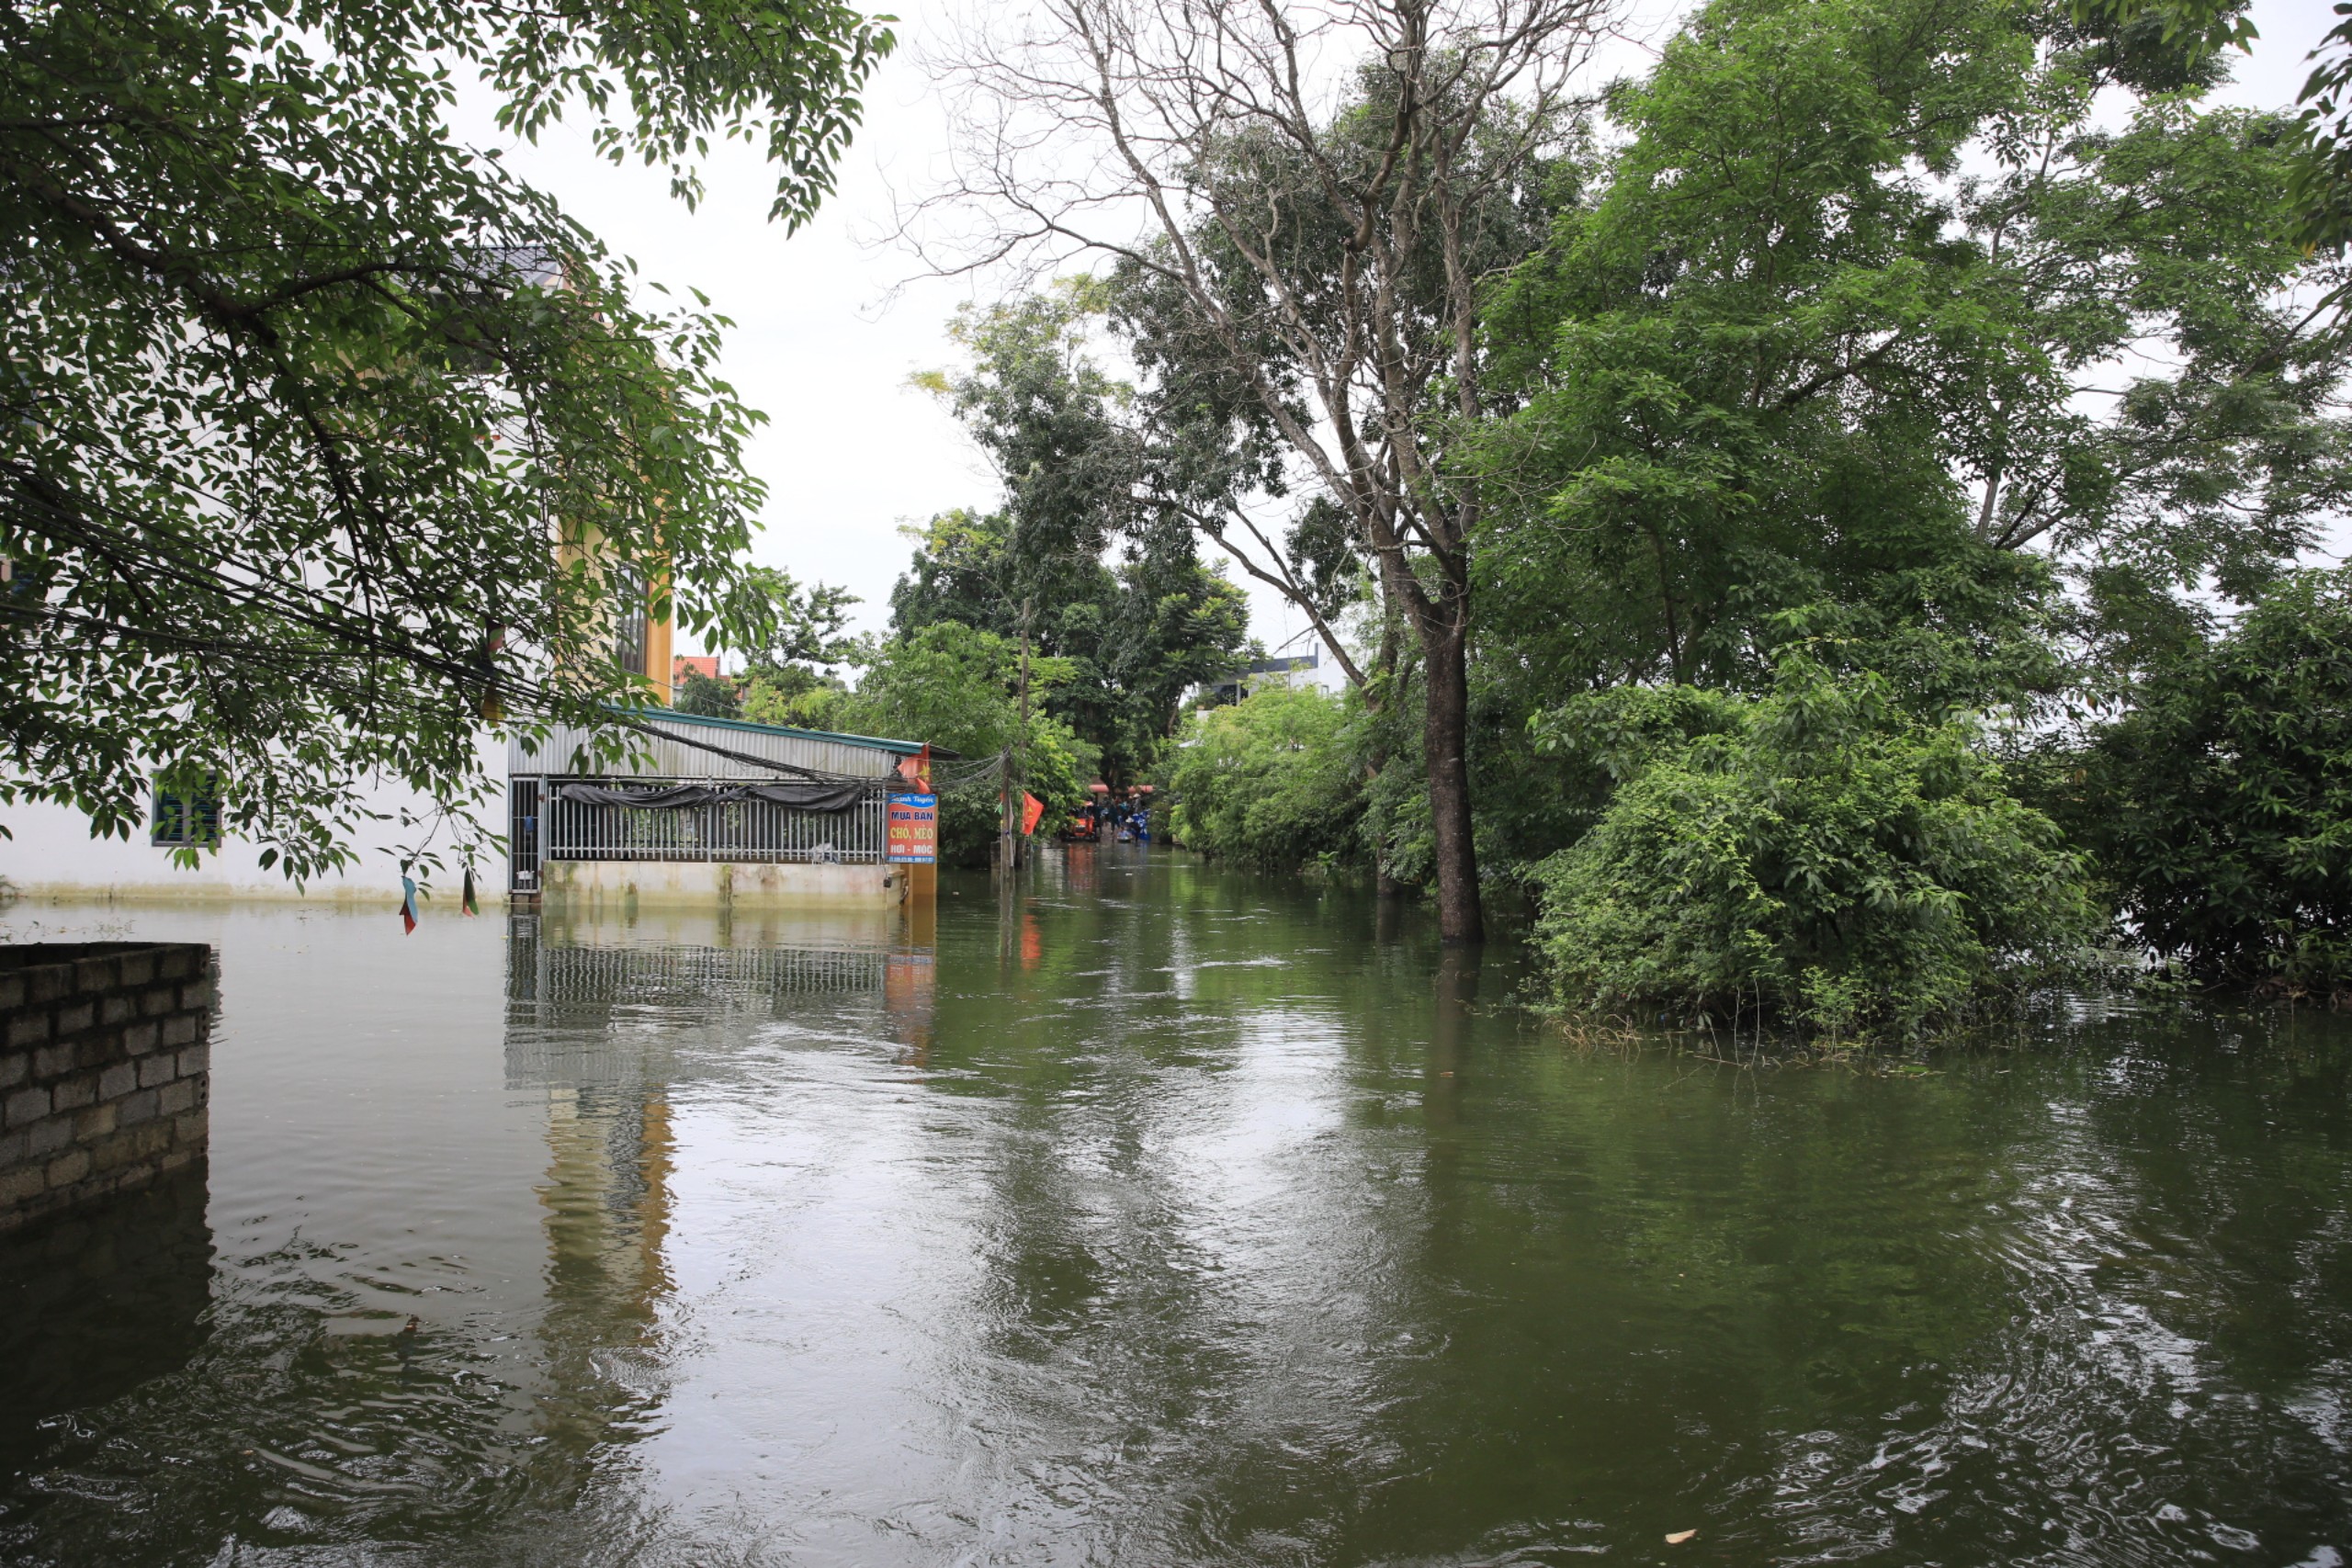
(594, 886)
(105, 1070)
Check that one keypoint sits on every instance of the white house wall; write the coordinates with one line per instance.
(50, 856)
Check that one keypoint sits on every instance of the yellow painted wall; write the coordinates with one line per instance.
(661, 636)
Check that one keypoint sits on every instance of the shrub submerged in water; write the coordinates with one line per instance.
(1815, 854)
(1271, 782)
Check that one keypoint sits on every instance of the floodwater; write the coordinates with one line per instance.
(1161, 1216)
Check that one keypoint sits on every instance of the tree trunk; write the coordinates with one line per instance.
(1015, 806)
(1445, 728)
(1388, 679)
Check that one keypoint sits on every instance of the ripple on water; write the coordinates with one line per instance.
(1175, 1219)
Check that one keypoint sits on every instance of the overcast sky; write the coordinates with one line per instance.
(831, 322)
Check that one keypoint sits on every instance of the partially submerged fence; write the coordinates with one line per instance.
(672, 819)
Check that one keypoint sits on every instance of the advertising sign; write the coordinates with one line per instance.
(911, 829)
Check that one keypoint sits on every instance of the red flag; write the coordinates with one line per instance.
(1031, 809)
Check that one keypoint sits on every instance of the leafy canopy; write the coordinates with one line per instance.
(707, 697)
(1074, 558)
(1135, 634)
(298, 397)
(955, 685)
(2221, 808)
(1876, 322)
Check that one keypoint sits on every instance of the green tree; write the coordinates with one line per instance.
(2321, 192)
(1073, 561)
(1136, 635)
(1876, 322)
(954, 686)
(2221, 808)
(1270, 782)
(801, 625)
(796, 695)
(1314, 332)
(299, 395)
(1816, 855)
(1049, 417)
(790, 662)
(2323, 188)
(708, 696)
(1305, 303)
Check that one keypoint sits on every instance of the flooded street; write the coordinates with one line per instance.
(1163, 1217)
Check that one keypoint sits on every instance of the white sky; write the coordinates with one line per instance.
(831, 323)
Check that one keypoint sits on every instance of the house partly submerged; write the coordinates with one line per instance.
(714, 811)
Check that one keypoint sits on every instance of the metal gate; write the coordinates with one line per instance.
(736, 830)
(523, 836)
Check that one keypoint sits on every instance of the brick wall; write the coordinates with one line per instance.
(105, 1068)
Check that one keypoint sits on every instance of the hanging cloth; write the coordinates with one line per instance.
(669, 799)
(799, 796)
(808, 797)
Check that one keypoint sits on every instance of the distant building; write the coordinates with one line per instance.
(1281, 671)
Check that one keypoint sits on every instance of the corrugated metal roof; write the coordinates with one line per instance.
(898, 748)
(857, 756)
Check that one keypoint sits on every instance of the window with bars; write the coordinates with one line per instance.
(185, 821)
(629, 619)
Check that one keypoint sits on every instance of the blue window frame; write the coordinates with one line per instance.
(185, 821)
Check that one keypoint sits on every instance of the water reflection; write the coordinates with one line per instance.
(99, 1300)
(593, 1003)
(605, 1019)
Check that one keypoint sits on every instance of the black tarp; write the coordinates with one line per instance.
(799, 796)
